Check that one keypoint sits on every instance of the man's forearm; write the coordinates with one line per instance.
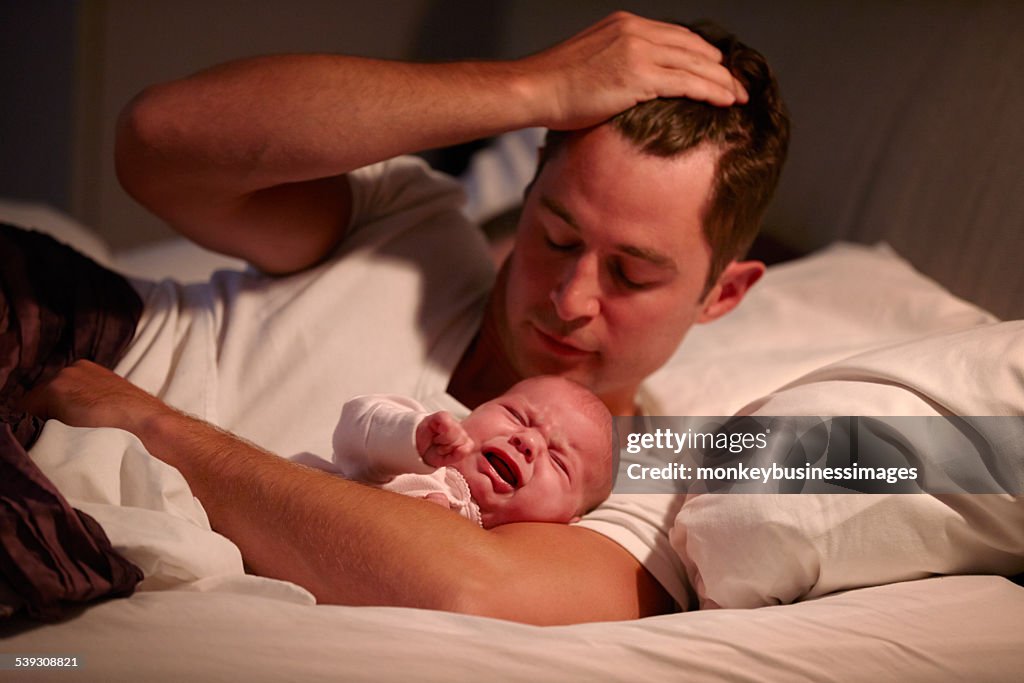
(245, 158)
(291, 118)
(352, 544)
(297, 523)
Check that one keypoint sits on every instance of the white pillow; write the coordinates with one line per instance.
(56, 224)
(175, 258)
(748, 550)
(498, 174)
(803, 315)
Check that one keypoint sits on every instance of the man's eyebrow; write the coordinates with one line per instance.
(556, 208)
(656, 258)
(652, 256)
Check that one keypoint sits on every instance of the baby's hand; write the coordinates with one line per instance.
(441, 440)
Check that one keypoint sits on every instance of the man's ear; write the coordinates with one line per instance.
(733, 284)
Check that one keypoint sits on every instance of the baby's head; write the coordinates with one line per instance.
(545, 453)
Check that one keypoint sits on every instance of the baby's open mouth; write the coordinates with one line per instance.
(507, 473)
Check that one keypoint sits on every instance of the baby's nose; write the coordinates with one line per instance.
(525, 445)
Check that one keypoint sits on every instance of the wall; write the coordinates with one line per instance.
(906, 115)
(37, 52)
(134, 44)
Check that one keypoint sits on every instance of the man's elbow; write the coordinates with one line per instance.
(524, 601)
(140, 154)
(491, 599)
(536, 575)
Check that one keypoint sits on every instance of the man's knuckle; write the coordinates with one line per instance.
(621, 16)
(632, 43)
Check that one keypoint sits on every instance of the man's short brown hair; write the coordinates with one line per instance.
(752, 140)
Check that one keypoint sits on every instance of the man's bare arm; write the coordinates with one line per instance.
(246, 158)
(356, 545)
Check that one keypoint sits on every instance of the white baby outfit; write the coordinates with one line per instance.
(375, 442)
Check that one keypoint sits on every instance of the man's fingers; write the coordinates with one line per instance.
(698, 80)
(678, 49)
(673, 35)
(621, 61)
(44, 400)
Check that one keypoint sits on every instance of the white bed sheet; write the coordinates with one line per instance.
(956, 628)
(226, 626)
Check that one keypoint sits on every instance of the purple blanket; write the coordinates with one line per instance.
(56, 307)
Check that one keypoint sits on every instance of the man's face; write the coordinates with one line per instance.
(609, 264)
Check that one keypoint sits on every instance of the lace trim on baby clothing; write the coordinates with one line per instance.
(464, 505)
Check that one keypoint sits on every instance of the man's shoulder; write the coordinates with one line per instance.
(400, 184)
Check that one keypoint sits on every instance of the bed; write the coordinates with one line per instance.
(912, 308)
(865, 604)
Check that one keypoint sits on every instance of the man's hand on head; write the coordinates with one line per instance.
(441, 440)
(621, 61)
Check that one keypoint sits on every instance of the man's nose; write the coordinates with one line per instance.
(577, 294)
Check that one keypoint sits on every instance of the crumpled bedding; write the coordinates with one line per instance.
(148, 512)
(53, 557)
(56, 307)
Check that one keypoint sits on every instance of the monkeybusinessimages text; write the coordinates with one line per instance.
(670, 442)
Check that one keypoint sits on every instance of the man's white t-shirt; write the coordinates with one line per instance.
(392, 311)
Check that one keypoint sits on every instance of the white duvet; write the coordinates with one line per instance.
(198, 616)
(870, 352)
(148, 512)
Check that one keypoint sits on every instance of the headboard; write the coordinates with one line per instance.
(906, 129)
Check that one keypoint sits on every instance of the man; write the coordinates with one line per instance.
(613, 263)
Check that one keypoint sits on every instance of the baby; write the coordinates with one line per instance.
(541, 452)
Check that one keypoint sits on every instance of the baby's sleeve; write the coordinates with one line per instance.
(375, 439)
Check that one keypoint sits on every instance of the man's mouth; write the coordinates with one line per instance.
(560, 345)
(502, 468)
